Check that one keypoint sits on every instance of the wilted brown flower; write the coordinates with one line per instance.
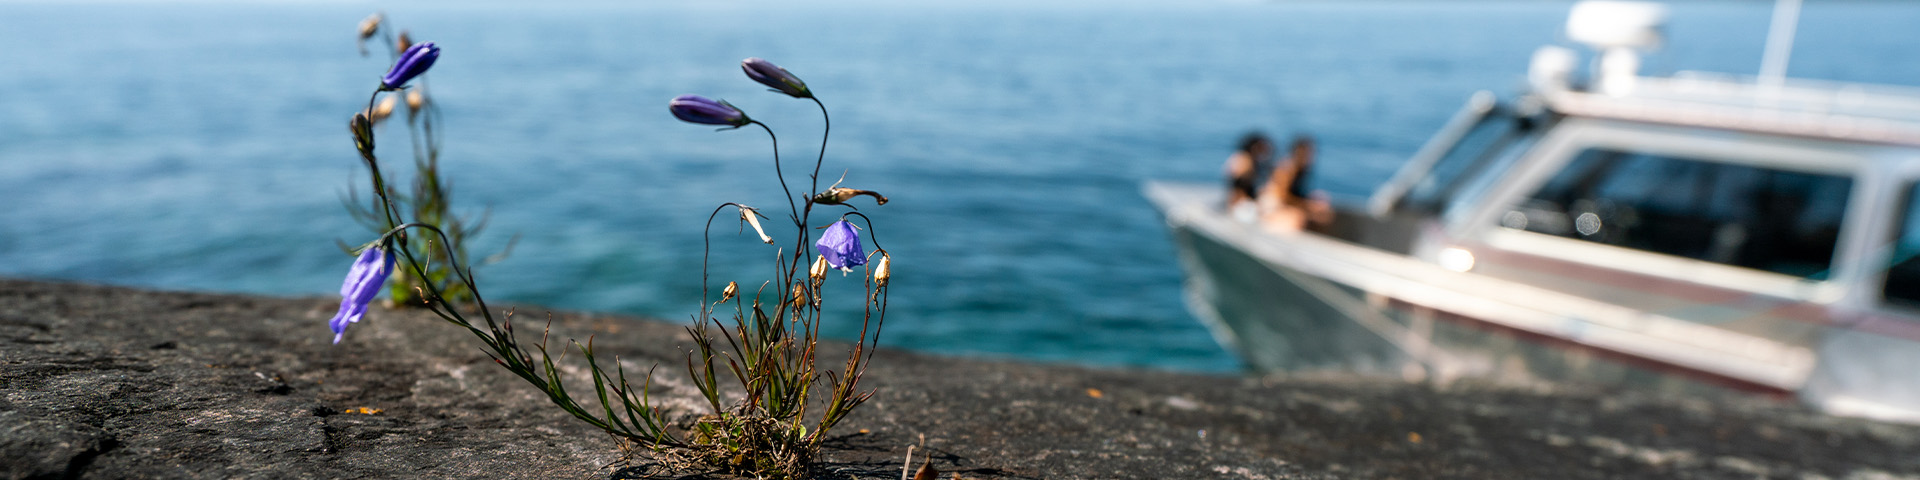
(752, 217)
(368, 27)
(731, 290)
(416, 98)
(403, 42)
(840, 195)
(384, 109)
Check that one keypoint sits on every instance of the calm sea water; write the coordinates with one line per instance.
(201, 145)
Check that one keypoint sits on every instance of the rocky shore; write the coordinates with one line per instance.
(108, 382)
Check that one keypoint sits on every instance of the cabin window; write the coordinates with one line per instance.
(1473, 154)
(1755, 217)
(1903, 268)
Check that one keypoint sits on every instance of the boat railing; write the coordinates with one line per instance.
(1827, 110)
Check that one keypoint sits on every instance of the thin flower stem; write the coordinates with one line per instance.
(379, 181)
(515, 358)
(827, 127)
(871, 233)
(393, 47)
(806, 247)
(453, 264)
(799, 221)
(877, 326)
(706, 252)
(778, 173)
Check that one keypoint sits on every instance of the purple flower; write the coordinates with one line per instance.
(765, 72)
(413, 62)
(841, 246)
(363, 282)
(703, 110)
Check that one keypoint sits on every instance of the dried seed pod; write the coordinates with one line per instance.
(883, 271)
(370, 26)
(731, 290)
(819, 271)
(799, 296)
(403, 42)
(416, 98)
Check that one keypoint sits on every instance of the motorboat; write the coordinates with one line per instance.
(1682, 232)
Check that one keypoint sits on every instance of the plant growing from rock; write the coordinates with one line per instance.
(760, 419)
(430, 199)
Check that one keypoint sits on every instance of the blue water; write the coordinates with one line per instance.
(202, 145)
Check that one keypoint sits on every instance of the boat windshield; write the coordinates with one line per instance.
(1476, 153)
(1903, 270)
(1749, 216)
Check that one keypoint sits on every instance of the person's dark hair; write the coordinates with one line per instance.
(1253, 139)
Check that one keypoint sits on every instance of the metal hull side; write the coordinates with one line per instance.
(1278, 319)
(1863, 374)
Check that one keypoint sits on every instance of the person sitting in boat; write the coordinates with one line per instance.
(1285, 203)
(1243, 172)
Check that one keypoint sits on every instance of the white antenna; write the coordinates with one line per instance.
(1773, 65)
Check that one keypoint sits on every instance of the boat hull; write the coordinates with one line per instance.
(1301, 301)
(1280, 319)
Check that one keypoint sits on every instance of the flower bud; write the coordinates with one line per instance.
(383, 110)
(840, 195)
(703, 110)
(773, 76)
(362, 133)
(731, 290)
(415, 61)
(883, 271)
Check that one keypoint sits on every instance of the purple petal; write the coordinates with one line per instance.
(841, 245)
(363, 282)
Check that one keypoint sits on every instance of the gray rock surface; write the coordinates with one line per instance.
(105, 382)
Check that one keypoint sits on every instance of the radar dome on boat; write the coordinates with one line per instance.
(1604, 24)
